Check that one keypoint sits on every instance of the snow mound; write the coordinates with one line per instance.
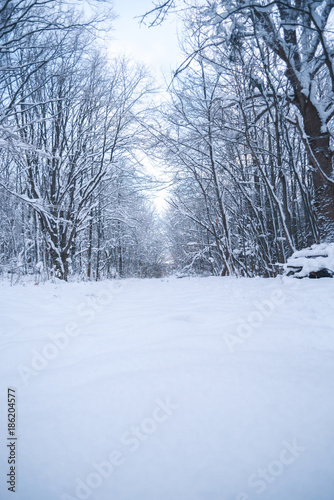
(316, 261)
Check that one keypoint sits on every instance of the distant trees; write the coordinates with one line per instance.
(123, 236)
(246, 136)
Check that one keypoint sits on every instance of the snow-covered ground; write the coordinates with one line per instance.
(173, 389)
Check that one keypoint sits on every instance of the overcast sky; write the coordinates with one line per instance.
(156, 47)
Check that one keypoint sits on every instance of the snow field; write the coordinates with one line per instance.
(173, 389)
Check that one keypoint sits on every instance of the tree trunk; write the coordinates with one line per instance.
(320, 155)
(90, 246)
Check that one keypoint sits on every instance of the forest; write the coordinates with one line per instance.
(118, 379)
(244, 141)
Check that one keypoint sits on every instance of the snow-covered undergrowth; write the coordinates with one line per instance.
(174, 389)
(315, 261)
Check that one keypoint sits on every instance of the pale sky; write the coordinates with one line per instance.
(157, 47)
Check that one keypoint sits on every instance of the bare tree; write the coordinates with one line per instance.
(241, 173)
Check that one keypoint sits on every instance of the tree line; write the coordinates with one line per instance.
(72, 131)
(250, 133)
(245, 138)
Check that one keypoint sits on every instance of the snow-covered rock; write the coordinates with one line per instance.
(316, 261)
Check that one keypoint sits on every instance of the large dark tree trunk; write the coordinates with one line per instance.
(321, 160)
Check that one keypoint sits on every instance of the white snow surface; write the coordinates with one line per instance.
(172, 389)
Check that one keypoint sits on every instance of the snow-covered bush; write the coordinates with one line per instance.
(316, 261)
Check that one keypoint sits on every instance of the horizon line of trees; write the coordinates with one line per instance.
(245, 139)
(72, 135)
